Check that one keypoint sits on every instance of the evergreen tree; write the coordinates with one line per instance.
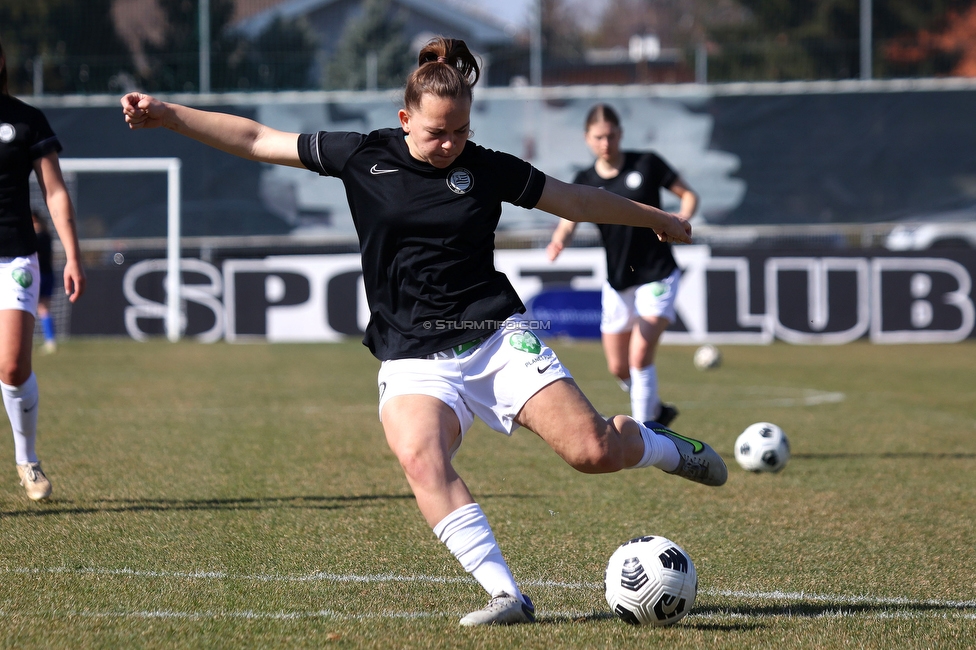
(378, 32)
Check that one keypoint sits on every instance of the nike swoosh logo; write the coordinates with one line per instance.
(697, 446)
(546, 367)
(375, 170)
(31, 408)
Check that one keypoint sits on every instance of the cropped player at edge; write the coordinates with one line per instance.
(642, 275)
(446, 325)
(27, 144)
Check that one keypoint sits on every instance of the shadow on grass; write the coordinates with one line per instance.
(829, 610)
(916, 455)
(752, 616)
(68, 507)
(100, 506)
(689, 622)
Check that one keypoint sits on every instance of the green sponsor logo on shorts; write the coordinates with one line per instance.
(526, 341)
(658, 289)
(22, 277)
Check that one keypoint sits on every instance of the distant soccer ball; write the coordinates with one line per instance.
(651, 581)
(707, 356)
(762, 447)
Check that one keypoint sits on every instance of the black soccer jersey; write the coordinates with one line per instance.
(635, 256)
(426, 236)
(25, 136)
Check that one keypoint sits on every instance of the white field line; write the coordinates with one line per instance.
(543, 615)
(754, 396)
(835, 600)
(808, 397)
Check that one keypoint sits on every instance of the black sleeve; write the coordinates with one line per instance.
(327, 152)
(659, 171)
(43, 140)
(532, 192)
(520, 182)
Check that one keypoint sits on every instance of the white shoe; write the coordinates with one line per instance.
(502, 610)
(49, 347)
(34, 481)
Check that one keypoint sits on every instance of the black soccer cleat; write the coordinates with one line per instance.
(667, 414)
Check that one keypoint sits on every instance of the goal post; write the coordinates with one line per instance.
(140, 165)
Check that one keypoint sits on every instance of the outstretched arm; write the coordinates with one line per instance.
(585, 203)
(235, 135)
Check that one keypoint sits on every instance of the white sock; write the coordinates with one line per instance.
(624, 384)
(659, 451)
(21, 404)
(468, 536)
(644, 403)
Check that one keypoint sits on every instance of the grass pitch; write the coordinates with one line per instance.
(227, 496)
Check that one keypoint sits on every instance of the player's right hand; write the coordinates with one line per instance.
(553, 250)
(142, 111)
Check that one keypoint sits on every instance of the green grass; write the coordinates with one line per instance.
(225, 496)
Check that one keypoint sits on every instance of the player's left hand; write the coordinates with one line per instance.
(74, 280)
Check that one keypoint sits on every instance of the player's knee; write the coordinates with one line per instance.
(415, 459)
(14, 373)
(411, 460)
(621, 370)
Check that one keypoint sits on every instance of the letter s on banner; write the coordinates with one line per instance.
(205, 294)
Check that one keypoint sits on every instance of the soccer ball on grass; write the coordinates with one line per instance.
(762, 447)
(707, 357)
(651, 581)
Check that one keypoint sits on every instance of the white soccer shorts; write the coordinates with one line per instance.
(20, 283)
(621, 309)
(492, 380)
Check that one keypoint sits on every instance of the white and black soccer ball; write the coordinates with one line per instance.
(762, 447)
(707, 357)
(651, 581)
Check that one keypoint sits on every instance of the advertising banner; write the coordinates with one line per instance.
(726, 296)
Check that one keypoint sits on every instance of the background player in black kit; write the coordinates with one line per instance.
(443, 321)
(642, 276)
(27, 144)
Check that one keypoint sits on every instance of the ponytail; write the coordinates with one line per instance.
(446, 68)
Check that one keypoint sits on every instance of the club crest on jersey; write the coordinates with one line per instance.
(7, 132)
(460, 180)
(634, 180)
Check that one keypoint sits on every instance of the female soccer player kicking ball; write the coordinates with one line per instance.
(446, 325)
